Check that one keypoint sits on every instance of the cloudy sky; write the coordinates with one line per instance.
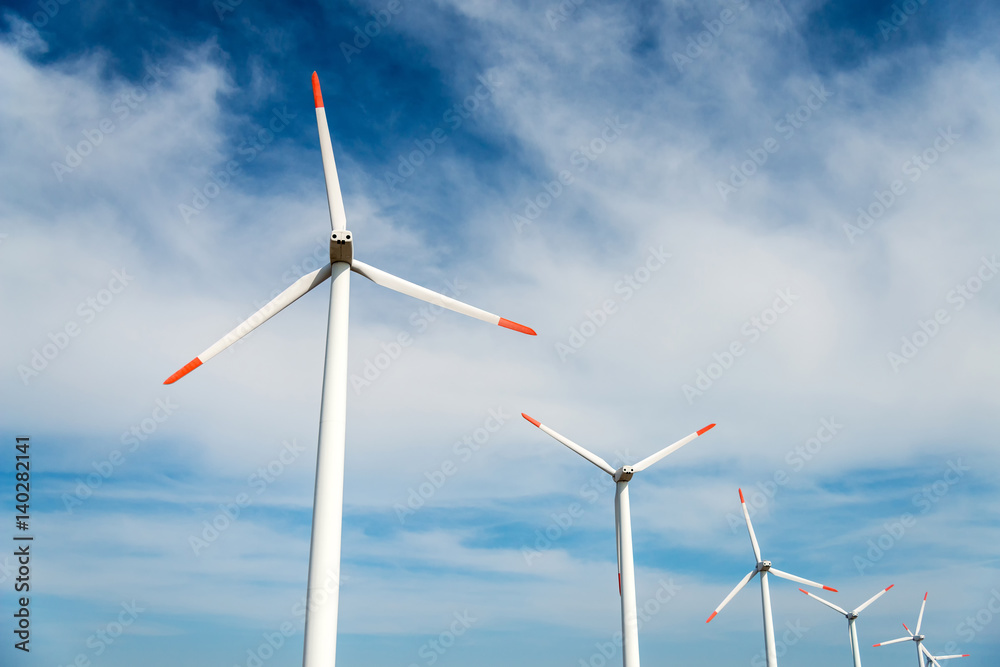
(779, 217)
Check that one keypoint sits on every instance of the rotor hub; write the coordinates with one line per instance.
(764, 566)
(624, 473)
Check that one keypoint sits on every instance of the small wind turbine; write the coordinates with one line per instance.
(915, 636)
(762, 568)
(623, 531)
(322, 598)
(852, 616)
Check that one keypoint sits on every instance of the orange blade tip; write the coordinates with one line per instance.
(925, 596)
(707, 428)
(188, 367)
(890, 586)
(806, 592)
(712, 616)
(741, 495)
(317, 94)
(533, 421)
(516, 327)
(827, 588)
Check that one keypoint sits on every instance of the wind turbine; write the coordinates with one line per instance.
(623, 530)
(915, 636)
(852, 616)
(763, 567)
(324, 551)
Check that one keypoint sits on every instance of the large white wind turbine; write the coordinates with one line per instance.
(623, 530)
(915, 636)
(852, 616)
(324, 552)
(763, 567)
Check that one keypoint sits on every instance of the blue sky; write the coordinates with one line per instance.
(647, 185)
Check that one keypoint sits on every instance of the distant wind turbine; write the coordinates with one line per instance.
(328, 503)
(852, 616)
(763, 568)
(623, 530)
(915, 636)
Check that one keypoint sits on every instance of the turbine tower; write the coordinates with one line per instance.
(915, 636)
(322, 598)
(762, 568)
(852, 616)
(623, 530)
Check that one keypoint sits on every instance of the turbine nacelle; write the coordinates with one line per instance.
(764, 566)
(341, 246)
(624, 473)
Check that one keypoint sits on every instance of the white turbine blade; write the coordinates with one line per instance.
(650, 460)
(791, 577)
(384, 279)
(947, 657)
(732, 594)
(920, 618)
(872, 599)
(893, 641)
(590, 456)
(753, 538)
(273, 307)
(828, 604)
(338, 218)
(618, 541)
(907, 629)
(923, 650)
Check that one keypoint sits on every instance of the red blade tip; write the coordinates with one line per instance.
(741, 495)
(317, 94)
(827, 588)
(533, 421)
(516, 327)
(707, 428)
(188, 367)
(712, 616)
(874, 645)
(806, 592)
(907, 629)
(890, 586)
(925, 596)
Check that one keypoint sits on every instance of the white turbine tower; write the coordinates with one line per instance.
(763, 567)
(915, 636)
(852, 616)
(623, 531)
(322, 600)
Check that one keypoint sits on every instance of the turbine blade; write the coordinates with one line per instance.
(753, 538)
(921, 649)
(907, 629)
(590, 456)
(785, 575)
(920, 618)
(732, 594)
(894, 641)
(273, 307)
(828, 604)
(618, 537)
(384, 279)
(650, 460)
(338, 218)
(949, 657)
(872, 599)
